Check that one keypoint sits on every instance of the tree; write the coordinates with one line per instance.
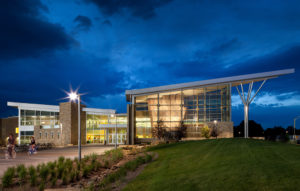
(255, 129)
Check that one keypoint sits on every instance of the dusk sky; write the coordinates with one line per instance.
(105, 47)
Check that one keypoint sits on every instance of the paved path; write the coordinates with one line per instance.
(49, 155)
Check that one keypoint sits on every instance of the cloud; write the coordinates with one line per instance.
(25, 33)
(271, 100)
(137, 8)
(83, 23)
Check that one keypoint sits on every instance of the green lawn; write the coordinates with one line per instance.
(223, 164)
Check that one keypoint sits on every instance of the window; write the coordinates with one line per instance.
(40, 135)
(46, 135)
(52, 135)
(58, 134)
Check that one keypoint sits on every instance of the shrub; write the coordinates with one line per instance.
(72, 176)
(69, 164)
(7, 178)
(53, 182)
(86, 171)
(60, 171)
(148, 158)
(205, 132)
(42, 186)
(44, 172)
(78, 165)
(61, 160)
(21, 170)
(106, 164)
(65, 179)
(77, 175)
(33, 176)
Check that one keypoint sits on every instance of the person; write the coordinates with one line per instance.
(11, 145)
(32, 146)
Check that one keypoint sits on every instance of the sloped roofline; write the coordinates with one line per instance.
(232, 79)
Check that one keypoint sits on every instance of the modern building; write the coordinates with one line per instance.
(59, 124)
(191, 105)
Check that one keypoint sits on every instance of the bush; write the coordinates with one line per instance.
(21, 170)
(65, 179)
(33, 176)
(77, 175)
(205, 132)
(44, 172)
(106, 164)
(61, 160)
(86, 171)
(53, 181)
(72, 176)
(42, 186)
(148, 158)
(60, 171)
(7, 178)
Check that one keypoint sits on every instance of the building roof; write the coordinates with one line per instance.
(32, 106)
(55, 108)
(234, 80)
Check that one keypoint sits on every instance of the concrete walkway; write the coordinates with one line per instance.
(49, 155)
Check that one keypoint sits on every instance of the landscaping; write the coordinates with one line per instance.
(93, 172)
(221, 164)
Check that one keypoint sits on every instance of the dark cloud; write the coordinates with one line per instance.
(83, 23)
(107, 22)
(137, 8)
(24, 33)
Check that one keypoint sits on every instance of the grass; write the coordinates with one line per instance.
(222, 164)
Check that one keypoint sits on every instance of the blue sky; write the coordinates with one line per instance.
(107, 46)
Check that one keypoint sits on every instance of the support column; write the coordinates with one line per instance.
(247, 101)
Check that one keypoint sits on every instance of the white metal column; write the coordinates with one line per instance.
(247, 101)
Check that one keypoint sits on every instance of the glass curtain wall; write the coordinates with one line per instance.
(190, 107)
(45, 119)
(101, 128)
(94, 134)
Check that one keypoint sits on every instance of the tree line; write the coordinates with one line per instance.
(273, 134)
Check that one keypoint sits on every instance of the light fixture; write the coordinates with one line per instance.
(73, 96)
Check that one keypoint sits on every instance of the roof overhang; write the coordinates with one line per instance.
(233, 80)
(32, 106)
(99, 111)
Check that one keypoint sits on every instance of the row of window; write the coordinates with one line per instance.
(52, 135)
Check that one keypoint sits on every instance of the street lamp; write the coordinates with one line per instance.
(73, 96)
(216, 128)
(112, 115)
(295, 119)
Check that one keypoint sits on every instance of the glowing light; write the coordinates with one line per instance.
(73, 96)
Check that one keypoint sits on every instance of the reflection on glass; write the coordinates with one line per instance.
(189, 107)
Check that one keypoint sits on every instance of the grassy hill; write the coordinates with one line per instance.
(223, 164)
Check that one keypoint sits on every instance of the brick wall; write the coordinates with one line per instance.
(45, 135)
(8, 125)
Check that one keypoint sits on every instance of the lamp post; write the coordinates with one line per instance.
(295, 119)
(73, 96)
(215, 122)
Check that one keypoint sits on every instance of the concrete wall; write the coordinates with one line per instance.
(8, 125)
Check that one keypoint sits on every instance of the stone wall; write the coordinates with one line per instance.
(224, 129)
(52, 135)
(68, 117)
(8, 126)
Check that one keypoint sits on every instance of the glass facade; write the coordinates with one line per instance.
(45, 119)
(191, 108)
(100, 128)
